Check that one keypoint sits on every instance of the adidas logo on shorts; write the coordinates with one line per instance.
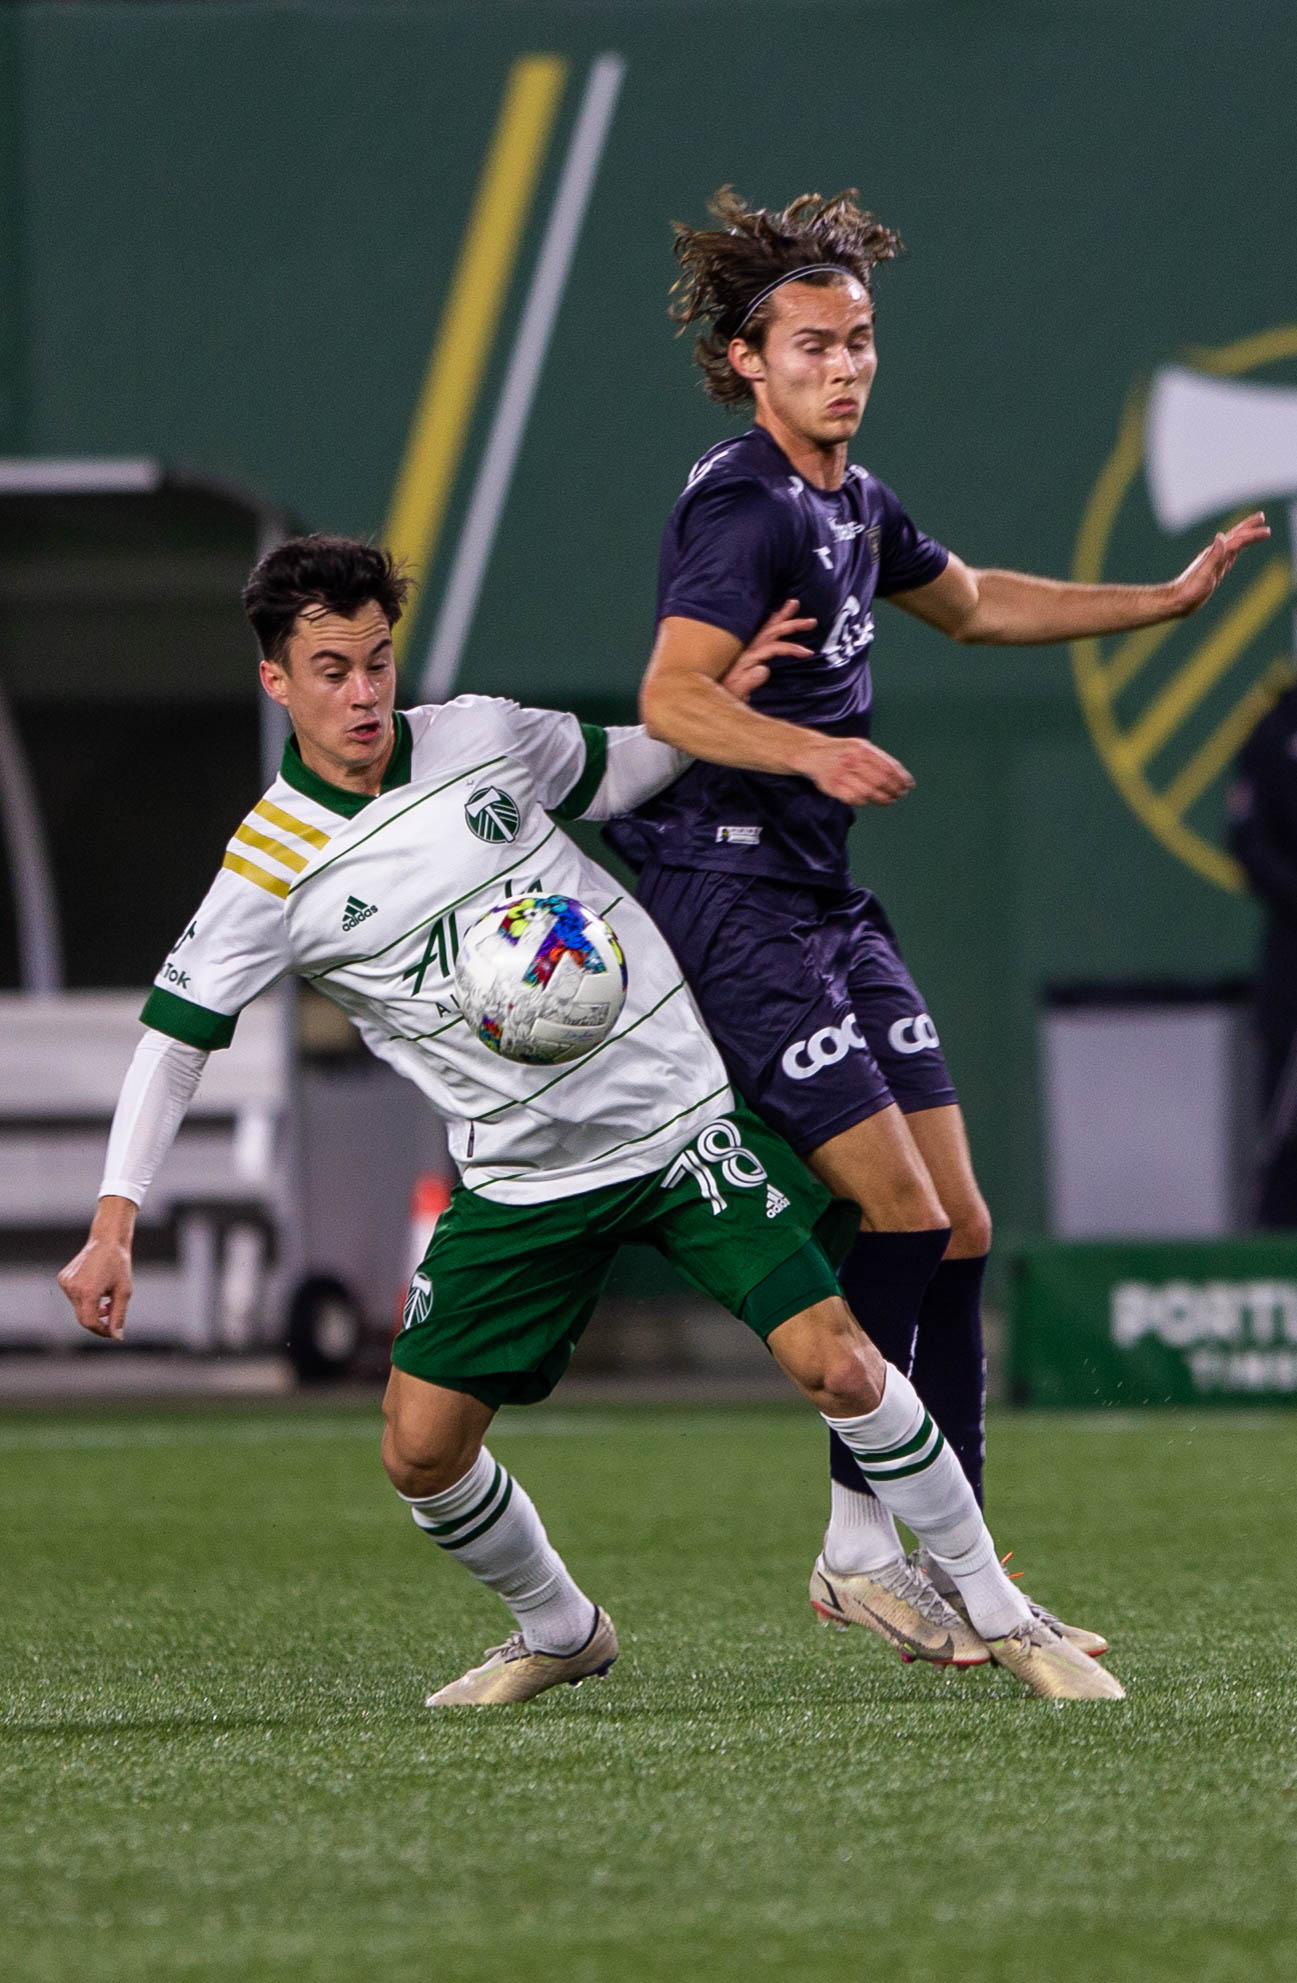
(356, 912)
(775, 1202)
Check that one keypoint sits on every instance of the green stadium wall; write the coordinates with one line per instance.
(226, 237)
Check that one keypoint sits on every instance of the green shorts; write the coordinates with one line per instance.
(505, 1291)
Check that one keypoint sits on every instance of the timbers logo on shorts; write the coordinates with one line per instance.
(418, 1303)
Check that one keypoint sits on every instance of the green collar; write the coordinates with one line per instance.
(302, 779)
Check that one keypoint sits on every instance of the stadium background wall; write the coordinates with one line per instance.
(226, 237)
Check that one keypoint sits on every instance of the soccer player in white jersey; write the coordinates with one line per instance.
(384, 836)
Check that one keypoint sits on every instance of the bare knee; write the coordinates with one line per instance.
(970, 1236)
(851, 1382)
(830, 1360)
(900, 1198)
(901, 1204)
(431, 1435)
(417, 1468)
(942, 1141)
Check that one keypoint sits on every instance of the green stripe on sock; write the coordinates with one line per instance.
(899, 1473)
(460, 1541)
(471, 1515)
(902, 1451)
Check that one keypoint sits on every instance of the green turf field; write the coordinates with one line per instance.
(219, 1629)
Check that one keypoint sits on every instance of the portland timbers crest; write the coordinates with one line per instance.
(418, 1303)
(492, 814)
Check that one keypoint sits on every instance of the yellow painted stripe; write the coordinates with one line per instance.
(1210, 759)
(287, 824)
(1207, 664)
(1262, 349)
(1106, 498)
(272, 883)
(464, 337)
(277, 849)
(1125, 660)
(1129, 655)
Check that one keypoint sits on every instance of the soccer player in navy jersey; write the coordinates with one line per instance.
(743, 862)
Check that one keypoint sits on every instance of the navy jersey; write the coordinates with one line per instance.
(747, 534)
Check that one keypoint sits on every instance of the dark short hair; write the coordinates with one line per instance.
(724, 268)
(339, 573)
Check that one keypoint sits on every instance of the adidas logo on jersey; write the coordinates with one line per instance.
(775, 1202)
(356, 911)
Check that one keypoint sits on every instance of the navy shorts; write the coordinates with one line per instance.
(807, 996)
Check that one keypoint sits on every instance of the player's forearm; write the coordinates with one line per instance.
(697, 715)
(637, 768)
(1017, 609)
(158, 1088)
(114, 1220)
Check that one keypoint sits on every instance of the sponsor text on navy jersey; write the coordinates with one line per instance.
(746, 534)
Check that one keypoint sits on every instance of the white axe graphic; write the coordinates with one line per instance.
(1211, 443)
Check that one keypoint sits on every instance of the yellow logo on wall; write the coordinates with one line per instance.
(1169, 706)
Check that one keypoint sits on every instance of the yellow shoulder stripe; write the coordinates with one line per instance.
(272, 883)
(280, 851)
(287, 824)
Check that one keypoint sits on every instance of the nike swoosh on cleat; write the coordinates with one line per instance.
(944, 1655)
(833, 1596)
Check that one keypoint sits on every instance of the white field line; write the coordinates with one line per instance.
(656, 1418)
(548, 1425)
(109, 1438)
(1175, 1421)
(526, 362)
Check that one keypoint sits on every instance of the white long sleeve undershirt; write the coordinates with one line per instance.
(158, 1088)
(638, 766)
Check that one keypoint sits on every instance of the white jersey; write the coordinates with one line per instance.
(367, 899)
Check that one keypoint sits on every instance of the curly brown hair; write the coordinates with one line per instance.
(725, 267)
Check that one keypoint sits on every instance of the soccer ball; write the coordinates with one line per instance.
(540, 979)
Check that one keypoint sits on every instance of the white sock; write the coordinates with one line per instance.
(995, 1604)
(861, 1534)
(490, 1525)
(907, 1462)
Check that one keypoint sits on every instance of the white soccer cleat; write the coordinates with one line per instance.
(1092, 1643)
(510, 1673)
(1085, 1641)
(1052, 1667)
(900, 1604)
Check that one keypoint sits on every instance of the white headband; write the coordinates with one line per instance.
(793, 275)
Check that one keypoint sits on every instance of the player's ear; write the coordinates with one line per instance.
(747, 362)
(274, 680)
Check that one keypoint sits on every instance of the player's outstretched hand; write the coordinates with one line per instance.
(98, 1284)
(853, 770)
(767, 644)
(1199, 580)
